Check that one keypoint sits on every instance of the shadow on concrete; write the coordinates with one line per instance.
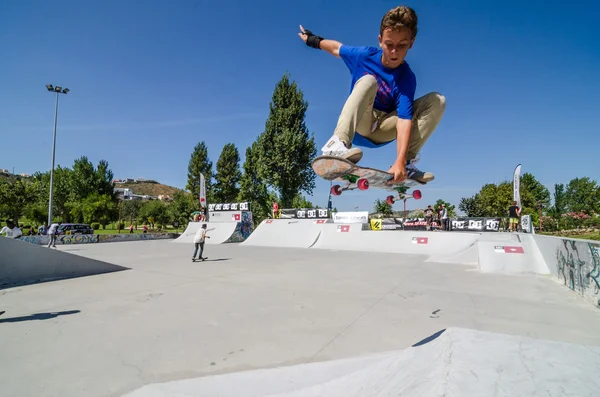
(38, 316)
(429, 338)
(213, 260)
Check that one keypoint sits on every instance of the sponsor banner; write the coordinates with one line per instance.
(304, 213)
(420, 240)
(526, 225)
(242, 206)
(504, 249)
(415, 224)
(351, 217)
(228, 216)
(492, 224)
(516, 185)
(391, 226)
(343, 228)
(376, 224)
(476, 224)
(202, 192)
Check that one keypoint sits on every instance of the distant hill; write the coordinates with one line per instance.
(150, 188)
(11, 178)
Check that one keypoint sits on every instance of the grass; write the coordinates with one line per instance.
(583, 236)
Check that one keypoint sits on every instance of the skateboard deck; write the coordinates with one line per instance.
(333, 168)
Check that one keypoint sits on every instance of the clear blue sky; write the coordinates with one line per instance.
(150, 79)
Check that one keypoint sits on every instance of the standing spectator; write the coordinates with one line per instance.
(514, 213)
(131, 228)
(43, 230)
(11, 230)
(444, 217)
(428, 216)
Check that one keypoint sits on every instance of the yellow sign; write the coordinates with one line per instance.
(376, 224)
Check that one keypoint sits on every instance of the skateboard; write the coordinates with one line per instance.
(333, 168)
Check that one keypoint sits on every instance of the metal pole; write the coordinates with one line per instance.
(52, 169)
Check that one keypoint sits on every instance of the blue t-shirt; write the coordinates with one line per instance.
(395, 87)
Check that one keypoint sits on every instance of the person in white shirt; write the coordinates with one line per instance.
(199, 239)
(11, 230)
(52, 232)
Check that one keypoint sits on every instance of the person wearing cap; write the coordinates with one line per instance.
(199, 239)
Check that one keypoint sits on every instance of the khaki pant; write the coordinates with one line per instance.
(379, 127)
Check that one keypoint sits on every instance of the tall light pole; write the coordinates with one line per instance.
(57, 90)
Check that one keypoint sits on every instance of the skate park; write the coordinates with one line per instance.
(304, 307)
(132, 120)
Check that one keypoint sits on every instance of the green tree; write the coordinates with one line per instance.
(228, 175)
(155, 212)
(301, 202)
(494, 200)
(14, 198)
(99, 208)
(200, 164)
(560, 201)
(181, 208)
(131, 210)
(469, 206)
(104, 178)
(83, 181)
(583, 195)
(253, 188)
(285, 147)
(382, 207)
(538, 191)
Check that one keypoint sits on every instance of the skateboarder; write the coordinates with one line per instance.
(199, 239)
(381, 106)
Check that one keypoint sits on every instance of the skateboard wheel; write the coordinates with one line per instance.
(335, 190)
(390, 200)
(363, 184)
(417, 194)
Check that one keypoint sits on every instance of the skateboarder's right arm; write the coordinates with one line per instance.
(330, 46)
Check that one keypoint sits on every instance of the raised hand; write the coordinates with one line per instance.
(302, 34)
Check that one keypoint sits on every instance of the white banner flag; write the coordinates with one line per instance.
(516, 185)
(202, 191)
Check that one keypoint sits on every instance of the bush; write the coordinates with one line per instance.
(95, 225)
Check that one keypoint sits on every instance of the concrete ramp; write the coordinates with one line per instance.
(517, 256)
(290, 233)
(452, 362)
(219, 232)
(353, 237)
(23, 263)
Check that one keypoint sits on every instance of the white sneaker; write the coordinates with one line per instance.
(335, 147)
(415, 174)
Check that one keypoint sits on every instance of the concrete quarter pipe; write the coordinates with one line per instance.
(23, 263)
(225, 227)
(289, 233)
